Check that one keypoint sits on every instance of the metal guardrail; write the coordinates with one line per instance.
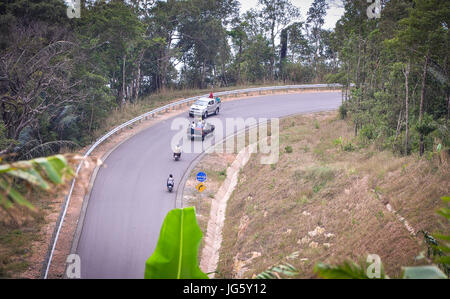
(66, 203)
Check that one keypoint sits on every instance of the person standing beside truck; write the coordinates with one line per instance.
(192, 128)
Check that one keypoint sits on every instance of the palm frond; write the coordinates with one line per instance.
(282, 270)
(51, 147)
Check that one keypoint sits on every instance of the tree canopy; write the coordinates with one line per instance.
(61, 77)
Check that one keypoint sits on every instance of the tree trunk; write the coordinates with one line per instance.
(123, 79)
(347, 87)
(406, 73)
(92, 117)
(422, 97)
(283, 53)
(239, 62)
(164, 68)
(203, 75)
(272, 56)
(137, 83)
(448, 108)
(138, 76)
(120, 96)
(358, 65)
(399, 125)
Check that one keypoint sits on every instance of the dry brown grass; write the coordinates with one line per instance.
(320, 189)
(214, 165)
(16, 237)
(25, 233)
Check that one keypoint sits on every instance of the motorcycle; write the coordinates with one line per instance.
(170, 183)
(176, 156)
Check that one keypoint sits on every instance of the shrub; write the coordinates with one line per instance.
(288, 149)
(368, 132)
(426, 126)
(349, 147)
(338, 141)
(343, 111)
(222, 174)
(316, 124)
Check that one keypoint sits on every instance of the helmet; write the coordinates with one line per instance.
(170, 176)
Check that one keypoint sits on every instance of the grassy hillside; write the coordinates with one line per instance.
(328, 198)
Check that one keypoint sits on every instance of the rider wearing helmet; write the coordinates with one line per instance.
(170, 181)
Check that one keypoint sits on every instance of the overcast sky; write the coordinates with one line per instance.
(334, 13)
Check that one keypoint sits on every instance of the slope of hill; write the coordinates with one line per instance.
(331, 198)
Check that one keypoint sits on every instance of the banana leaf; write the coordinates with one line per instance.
(41, 172)
(176, 254)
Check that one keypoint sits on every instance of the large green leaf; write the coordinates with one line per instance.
(5, 202)
(6, 168)
(49, 169)
(31, 176)
(60, 164)
(423, 272)
(41, 172)
(176, 254)
(14, 194)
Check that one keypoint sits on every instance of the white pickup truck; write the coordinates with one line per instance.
(204, 107)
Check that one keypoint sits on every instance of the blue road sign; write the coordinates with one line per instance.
(201, 177)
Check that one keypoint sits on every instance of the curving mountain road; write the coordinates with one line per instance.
(129, 200)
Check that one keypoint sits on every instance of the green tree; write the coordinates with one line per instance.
(238, 37)
(277, 15)
(424, 32)
(162, 23)
(299, 47)
(37, 79)
(27, 12)
(314, 24)
(115, 37)
(203, 38)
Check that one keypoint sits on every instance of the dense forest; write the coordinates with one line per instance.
(60, 77)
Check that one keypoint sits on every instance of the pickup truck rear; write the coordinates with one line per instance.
(204, 107)
(200, 133)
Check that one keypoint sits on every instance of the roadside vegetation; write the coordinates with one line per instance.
(215, 166)
(399, 66)
(64, 82)
(27, 189)
(328, 201)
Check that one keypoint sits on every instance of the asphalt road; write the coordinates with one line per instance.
(129, 199)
